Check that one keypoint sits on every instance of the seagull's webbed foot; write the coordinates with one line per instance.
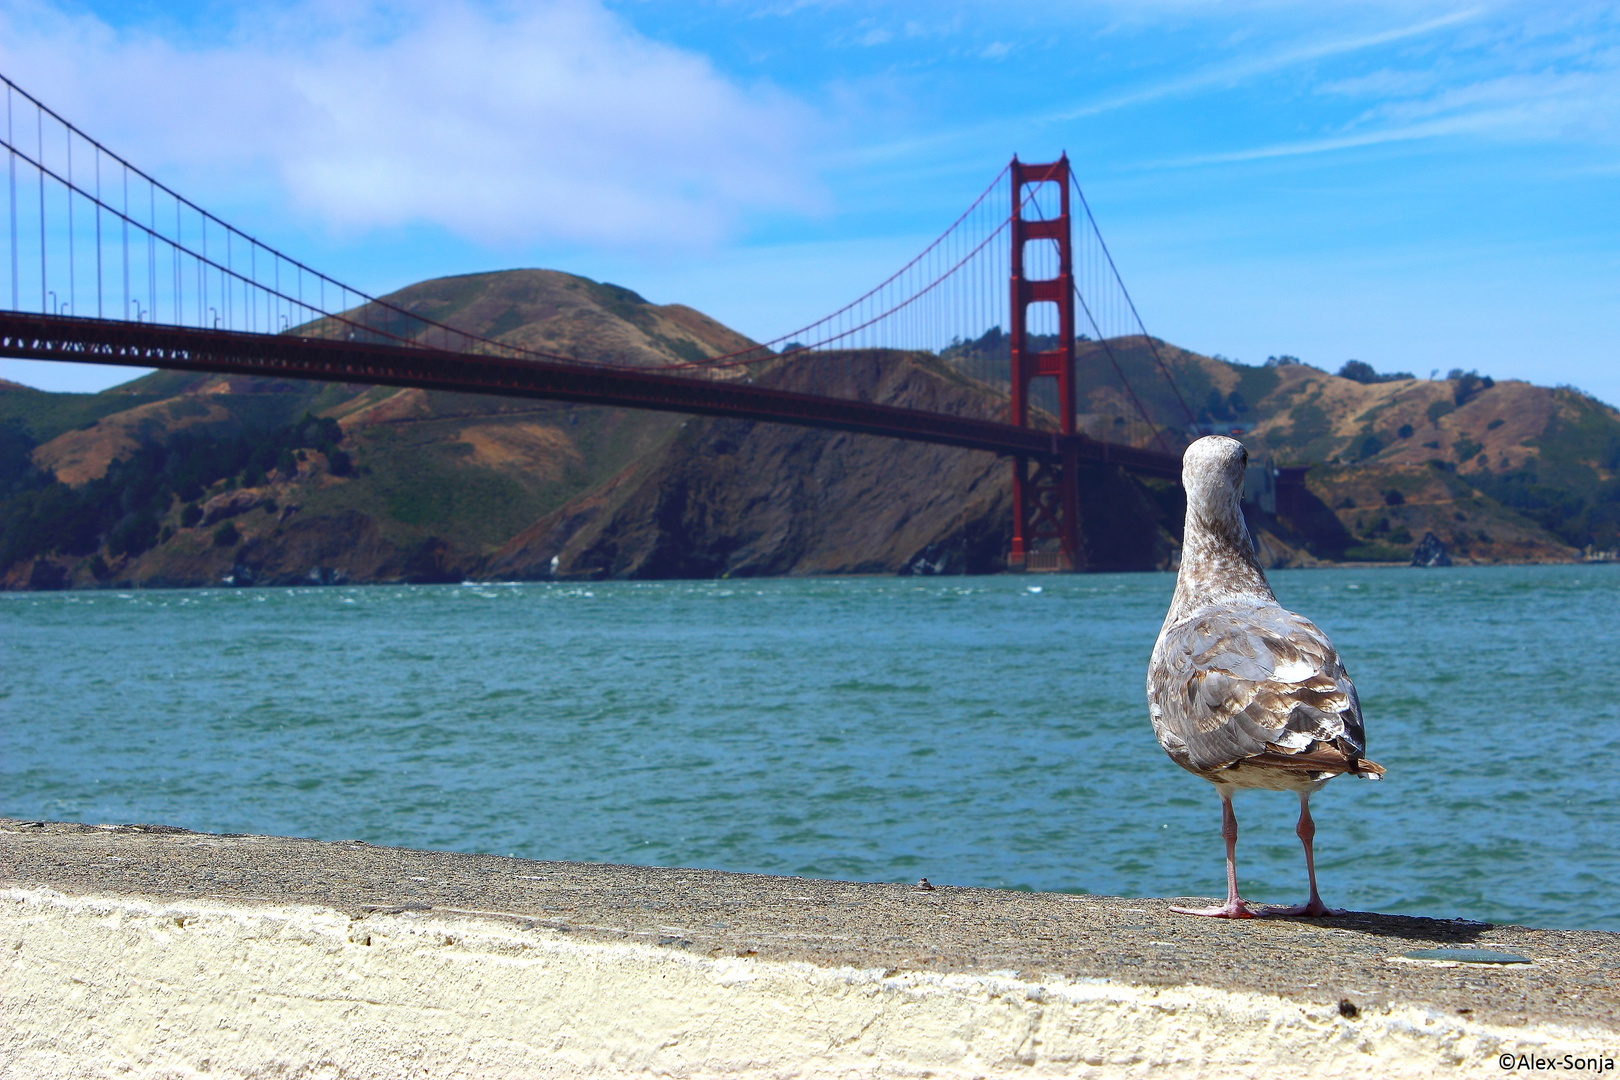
(1306, 830)
(1233, 909)
(1314, 909)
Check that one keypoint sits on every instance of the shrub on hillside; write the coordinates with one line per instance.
(1469, 385)
(1362, 372)
(133, 534)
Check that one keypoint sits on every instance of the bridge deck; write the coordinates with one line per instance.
(97, 341)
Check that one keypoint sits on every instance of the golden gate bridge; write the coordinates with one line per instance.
(108, 265)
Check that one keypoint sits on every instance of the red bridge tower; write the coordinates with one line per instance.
(1046, 501)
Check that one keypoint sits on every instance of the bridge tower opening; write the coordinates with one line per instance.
(1046, 496)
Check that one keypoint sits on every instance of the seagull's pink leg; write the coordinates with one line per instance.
(1306, 831)
(1234, 908)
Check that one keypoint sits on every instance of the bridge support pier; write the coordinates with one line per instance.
(1047, 502)
(1046, 499)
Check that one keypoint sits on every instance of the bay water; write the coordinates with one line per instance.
(976, 731)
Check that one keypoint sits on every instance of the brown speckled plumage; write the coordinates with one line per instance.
(1242, 691)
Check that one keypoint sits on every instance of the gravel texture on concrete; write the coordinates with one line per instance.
(1353, 961)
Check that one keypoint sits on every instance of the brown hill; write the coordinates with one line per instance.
(381, 484)
(438, 481)
(1499, 471)
(1521, 472)
(566, 314)
(1465, 458)
(83, 454)
(735, 498)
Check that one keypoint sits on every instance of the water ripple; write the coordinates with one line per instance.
(975, 731)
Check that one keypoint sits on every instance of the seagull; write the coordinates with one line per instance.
(1242, 691)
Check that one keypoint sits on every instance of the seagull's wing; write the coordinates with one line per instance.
(1254, 683)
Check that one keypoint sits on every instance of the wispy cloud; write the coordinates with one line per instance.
(1266, 63)
(1323, 145)
(1539, 106)
(553, 121)
(1535, 106)
(1252, 59)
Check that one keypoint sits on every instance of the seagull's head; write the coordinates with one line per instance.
(1212, 475)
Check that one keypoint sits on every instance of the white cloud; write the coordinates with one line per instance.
(508, 125)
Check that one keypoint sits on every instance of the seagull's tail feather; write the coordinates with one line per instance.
(1368, 770)
(1326, 758)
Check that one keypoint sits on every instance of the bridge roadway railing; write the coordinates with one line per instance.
(57, 337)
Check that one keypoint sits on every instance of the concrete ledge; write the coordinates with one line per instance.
(145, 952)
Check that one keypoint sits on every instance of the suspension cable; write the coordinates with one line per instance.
(750, 356)
(181, 200)
(1103, 244)
(1158, 436)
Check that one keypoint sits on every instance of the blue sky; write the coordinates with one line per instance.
(1416, 185)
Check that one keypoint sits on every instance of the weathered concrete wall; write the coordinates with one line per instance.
(179, 954)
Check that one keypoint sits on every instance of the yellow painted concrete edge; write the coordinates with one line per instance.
(99, 986)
